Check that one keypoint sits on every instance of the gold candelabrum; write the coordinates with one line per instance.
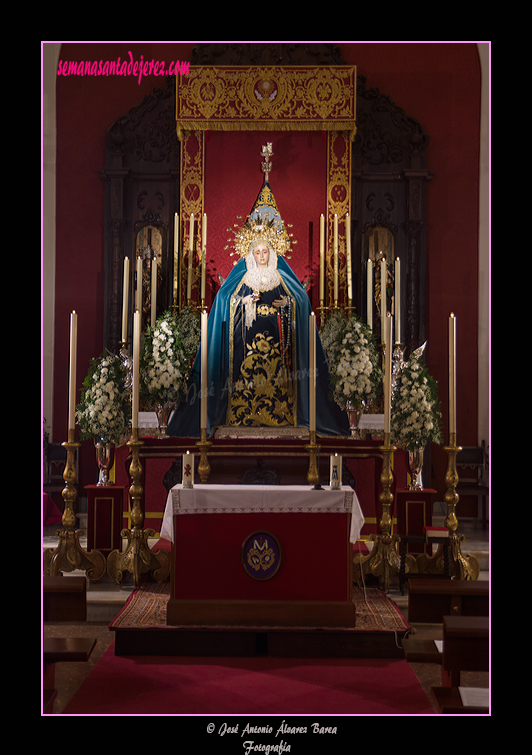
(384, 560)
(69, 555)
(313, 475)
(137, 558)
(204, 468)
(460, 566)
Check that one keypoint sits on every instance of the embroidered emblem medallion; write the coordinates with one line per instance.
(261, 555)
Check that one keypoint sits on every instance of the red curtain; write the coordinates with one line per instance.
(234, 178)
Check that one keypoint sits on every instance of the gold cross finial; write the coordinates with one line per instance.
(266, 153)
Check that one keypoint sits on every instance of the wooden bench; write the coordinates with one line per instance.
(61, 650)
(449, 700)
(465, 647)
(67, 649)
(431, 599)
(64, 599)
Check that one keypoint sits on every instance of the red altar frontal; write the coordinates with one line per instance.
(259, 555)
(231, 458)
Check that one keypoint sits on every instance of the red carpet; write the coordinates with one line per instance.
(249, 686)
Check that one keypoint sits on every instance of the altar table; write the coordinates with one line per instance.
(254, 555)
(229, 458)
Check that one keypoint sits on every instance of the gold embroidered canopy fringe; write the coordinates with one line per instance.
(294, 98)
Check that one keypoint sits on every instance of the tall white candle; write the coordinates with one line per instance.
(397, 301)
(348, 256)
(176, 256)
(72, 369)
(138, 301)
(383, 298)
(190, 250)
(203, 255)
(336, 258)
(452, 373)
(204, 346)
(369, 293)
(125, 299)
(136, 371)
(312, 372)
(322, 259)
(388, 373)
(153, 291)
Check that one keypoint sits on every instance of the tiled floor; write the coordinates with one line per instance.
(104, 600)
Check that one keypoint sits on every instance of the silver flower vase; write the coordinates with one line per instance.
(105, 457)
(354, 413)
(415, 465)
(163, 413)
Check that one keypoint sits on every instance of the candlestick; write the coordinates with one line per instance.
(452, 373)
(203, 257)
(383, 298)
(72, 371)
(322, 260)
(190, 250)
(312, 372)
(335, 259)
(204, 345)
(387, 374)
(135, 376)
(125, 300)
(397, 302)
(348, 256)
(369, 294)
(153, 291)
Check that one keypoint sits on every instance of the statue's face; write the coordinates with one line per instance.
(261, 254)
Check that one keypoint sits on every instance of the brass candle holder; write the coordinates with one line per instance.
(69, 555)
(204, 468)
(137, 558)
(460, 566)
(313, 475)
(384, 559)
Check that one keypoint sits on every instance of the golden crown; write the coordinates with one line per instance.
(255, 229)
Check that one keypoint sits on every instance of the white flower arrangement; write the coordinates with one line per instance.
(164, 365)
(416, 416)
(105, 409)
(353, 359)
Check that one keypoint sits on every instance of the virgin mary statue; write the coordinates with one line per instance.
(258, 346)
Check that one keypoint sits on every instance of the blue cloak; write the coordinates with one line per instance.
(185, 421)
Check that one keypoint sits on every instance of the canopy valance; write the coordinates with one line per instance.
(255, 98)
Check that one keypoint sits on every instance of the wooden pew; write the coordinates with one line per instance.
(431, 599)
(465, 648)
(67, 649)
(61, 650)
(449, 700)
(64, 599)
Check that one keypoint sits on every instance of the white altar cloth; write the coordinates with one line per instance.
(241, 499)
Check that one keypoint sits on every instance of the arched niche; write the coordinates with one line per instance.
(150, 246)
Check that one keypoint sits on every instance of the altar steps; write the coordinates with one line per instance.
(270, 642)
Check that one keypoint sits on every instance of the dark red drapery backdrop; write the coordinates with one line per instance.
(233, 180)
(438, 84)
